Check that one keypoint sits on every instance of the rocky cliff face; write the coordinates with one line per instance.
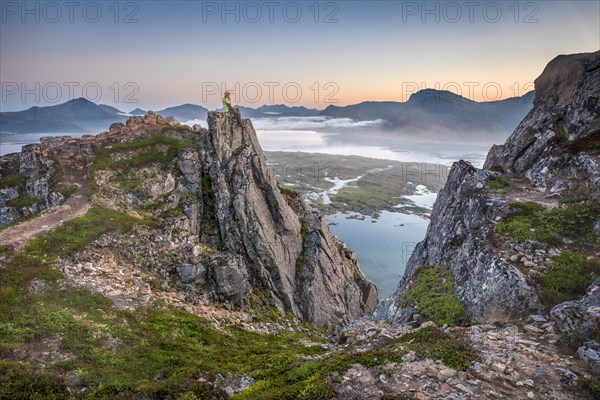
(565, 112)
(221, 231)
(490, 287)
(551, 161)
(27, 184)
(286, 249)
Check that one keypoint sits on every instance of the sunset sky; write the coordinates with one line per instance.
(167, 53)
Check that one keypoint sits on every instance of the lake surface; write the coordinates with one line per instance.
(382, 245)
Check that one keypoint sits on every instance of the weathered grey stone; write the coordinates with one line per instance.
(558, 187)
(230, 277)
(8, 215)
(566, 112)
(566, 108)
(171, 121)
(590, 353)
(116, 126)
(597, 227)
(189, 272)
(580, 319)
(8, 194)
(538, 318)
(490, 288)
(288, 251)
(567, 377)
(35, 166)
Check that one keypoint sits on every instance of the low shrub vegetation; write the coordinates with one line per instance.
(436, 344)
(23, 201)
(530, 220)
(497, 182)
(159, 351)
(156, 148)
(13, 181)
(568, 278)
(432, 292)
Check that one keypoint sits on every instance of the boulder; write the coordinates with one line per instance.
(580, 319)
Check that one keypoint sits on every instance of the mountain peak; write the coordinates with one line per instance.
(286, 264)
(80, 100)
(434, 95)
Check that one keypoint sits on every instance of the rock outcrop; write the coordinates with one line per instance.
(287, 250)
(489, 286)
(566, 110)
(580, 319)
(27, 184)
(223, 232)
(554, 149)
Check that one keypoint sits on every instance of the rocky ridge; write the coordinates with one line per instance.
(549, 166)
(225, 233)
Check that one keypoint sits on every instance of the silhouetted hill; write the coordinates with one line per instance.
(438, 113)
(185, 112)
(77, 115)
(138, 111)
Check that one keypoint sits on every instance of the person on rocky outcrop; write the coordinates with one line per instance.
(229, 107)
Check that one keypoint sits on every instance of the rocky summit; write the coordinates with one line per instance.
(225, 232)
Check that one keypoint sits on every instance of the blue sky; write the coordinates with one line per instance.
(162, 53)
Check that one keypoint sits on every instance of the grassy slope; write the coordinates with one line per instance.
(62, 336)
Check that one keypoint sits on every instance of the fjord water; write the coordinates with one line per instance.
(382, 245)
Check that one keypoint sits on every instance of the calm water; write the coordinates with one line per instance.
(382, 245)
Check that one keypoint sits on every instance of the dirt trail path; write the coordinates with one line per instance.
(74, 157)
(76, 205)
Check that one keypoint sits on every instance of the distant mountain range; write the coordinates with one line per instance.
(77, 115)
(441, 113)
(81, 115)
(426, 112)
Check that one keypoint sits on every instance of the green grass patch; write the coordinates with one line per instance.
(64, 190)
(23, 201)
(289, 193)
(436, 344)
(156, 148)
(13, 181)
(568, 278)
(5, 249)
(560, 131)
(432, 292)
(497, 182)
(532, 221)
(156, 352)
(79, 232)
(176, 212)
(590, 388)
(309, 380)
(17, 382)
